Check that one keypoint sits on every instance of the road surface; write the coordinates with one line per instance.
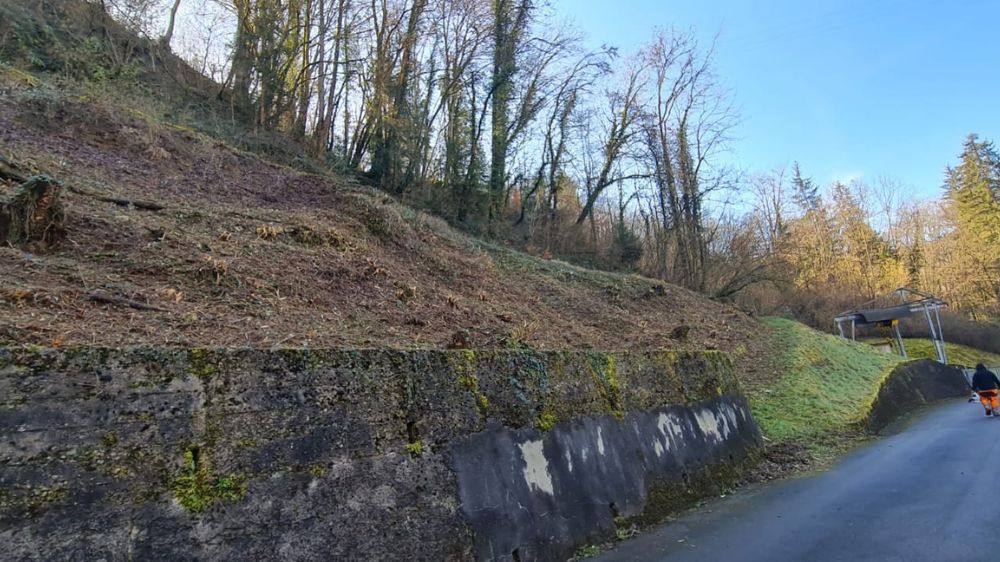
(929, 493)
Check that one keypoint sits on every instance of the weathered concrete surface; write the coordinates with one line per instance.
(305, 455)
(925, 494)
(537, 496)
(911, 385)
(301, 456)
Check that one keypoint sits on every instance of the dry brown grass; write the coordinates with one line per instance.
(249, 253)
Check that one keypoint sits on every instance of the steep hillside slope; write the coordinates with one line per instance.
(247, 252)
(825, 388)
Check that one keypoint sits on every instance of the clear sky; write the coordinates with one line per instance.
(849, 88)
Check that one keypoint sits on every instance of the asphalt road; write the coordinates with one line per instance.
(930, 492)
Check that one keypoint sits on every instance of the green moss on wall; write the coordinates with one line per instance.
(201, 363)
(464, 364)
(30, 500)
(415, 449)
(604, 371)
(546, 421)
(197, 488)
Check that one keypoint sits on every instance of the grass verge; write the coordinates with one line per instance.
(825, 389)
(957, 354)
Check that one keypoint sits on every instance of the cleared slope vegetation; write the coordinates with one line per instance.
(248, 252)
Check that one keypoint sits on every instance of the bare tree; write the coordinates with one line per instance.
(770, 196)
(685, 129)
(887, 193)
(624, 110)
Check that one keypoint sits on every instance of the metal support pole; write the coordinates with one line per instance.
(853, 337)
(944, 349)
(934, 337)
(899, 339)
(840, 328)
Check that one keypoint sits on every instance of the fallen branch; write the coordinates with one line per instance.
(120, 201)
(119, 301)
(145, 205)
(9, 171)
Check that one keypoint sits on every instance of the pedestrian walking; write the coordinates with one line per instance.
(987, 386)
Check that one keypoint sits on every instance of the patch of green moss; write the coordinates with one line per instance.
(201, 364)
(317, 470)
(31, 499)
(590, 550)
(546, 421)
(197, 488)
(246, 443)
(604, 371)
(464, 365)
(109, 439)
(482, 403)
(416, 449)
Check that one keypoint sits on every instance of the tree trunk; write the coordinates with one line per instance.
(165, 40)
(509, 21)
(242, 66)
(305, 79)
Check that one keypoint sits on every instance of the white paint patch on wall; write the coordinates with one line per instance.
(732, 421)
(569, 459)
(670, 427)
(600, 441)
(536, 467)
(708, 423)
(731, 414)
(723, 419)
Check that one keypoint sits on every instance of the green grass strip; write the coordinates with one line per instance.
(826, 385)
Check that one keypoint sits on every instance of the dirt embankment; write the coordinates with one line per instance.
(250, 253)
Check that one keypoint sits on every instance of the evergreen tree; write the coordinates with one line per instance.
(974, 188)
(805, 193)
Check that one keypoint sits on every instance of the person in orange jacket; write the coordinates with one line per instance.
(987, 386)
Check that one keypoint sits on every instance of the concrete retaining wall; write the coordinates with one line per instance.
(354, 454)
(911, 385)
(533, 496)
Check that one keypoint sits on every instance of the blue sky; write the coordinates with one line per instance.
(848, 88)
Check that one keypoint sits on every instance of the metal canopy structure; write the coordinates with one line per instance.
(910, 302)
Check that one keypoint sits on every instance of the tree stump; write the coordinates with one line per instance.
(33, 214)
